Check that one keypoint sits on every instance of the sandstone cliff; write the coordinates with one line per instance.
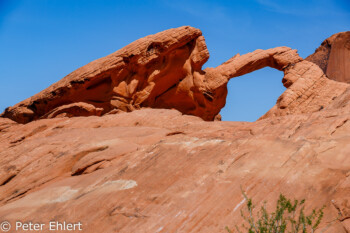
(99, 147)
(333, 57)
(164, 71)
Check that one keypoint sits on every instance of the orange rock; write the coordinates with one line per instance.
(75, 109)
(135, 76)
(333, 57)
(157, 170)
(165, 71)
(135, 172)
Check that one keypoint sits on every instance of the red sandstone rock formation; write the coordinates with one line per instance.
(333, 57)
(156, 71)
(135, 172)
(164, 71)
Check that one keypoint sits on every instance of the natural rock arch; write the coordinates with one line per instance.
(165, 71)
(308, 88)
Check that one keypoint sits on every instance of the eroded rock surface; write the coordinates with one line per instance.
(333, 57)
(84, 157)
(165, 71)
(156, 71)
(135, 172)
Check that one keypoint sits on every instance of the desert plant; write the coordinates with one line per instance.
(289, 216)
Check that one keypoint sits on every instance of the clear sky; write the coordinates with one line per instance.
(41, 41)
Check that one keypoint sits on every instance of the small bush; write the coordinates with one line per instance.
(289, 216)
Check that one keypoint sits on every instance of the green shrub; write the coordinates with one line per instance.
(289, 216)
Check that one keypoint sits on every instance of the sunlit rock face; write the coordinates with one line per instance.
(165, 71)
(155, 170)
(100, 148)
(333, 57)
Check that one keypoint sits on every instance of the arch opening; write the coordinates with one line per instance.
(251, 95)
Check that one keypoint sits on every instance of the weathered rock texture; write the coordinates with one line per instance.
(119, 171)
(165, 71)
(333, 57)
(135, 172)
(156, 71)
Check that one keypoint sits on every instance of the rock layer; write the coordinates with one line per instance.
(333, 57)
(135, 172)
(82, 157)
(165, 71)
(155, 71)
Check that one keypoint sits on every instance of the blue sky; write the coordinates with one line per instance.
(41, 41)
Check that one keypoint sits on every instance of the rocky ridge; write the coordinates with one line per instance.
(333, 57)
(118, 165)
(164, 71)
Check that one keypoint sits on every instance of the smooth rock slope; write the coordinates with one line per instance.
(160, 171)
